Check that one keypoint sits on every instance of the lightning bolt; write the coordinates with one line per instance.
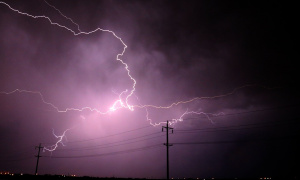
(59, 141)
(124, 96)
(78, 28)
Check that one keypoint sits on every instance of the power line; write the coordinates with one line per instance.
(111, 153)
(246, 112)
(108, 145)
(221, 115)
(111, 135)
(236, 141)
(17, 153)
(113, 143)
(142, 138)
(17, 159)
(238, 127)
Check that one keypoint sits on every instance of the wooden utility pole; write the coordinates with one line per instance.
(167, 145)
(38, 157)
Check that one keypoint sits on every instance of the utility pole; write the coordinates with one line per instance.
(38, 157)
(167, 145)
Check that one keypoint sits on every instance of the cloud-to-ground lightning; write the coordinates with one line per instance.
(123, 97)
(59, 141)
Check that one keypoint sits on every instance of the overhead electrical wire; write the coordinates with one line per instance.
(124, 132)
(246, 112)
(221, 115)
(17, 159)
(111, 153)
(108, 145)
(237, 141)
(179, 131)
(215, 129)
(239, 127)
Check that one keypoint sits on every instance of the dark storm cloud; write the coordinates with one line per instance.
(200, 49)
(177, 50)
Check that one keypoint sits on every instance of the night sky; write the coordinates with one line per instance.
(231, 64)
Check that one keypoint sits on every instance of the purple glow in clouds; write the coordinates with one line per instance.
(94, 81)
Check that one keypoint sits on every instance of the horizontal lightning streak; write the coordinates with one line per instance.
(197, 98)
(50, 104)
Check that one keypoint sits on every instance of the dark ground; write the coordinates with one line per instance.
(64, 177)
